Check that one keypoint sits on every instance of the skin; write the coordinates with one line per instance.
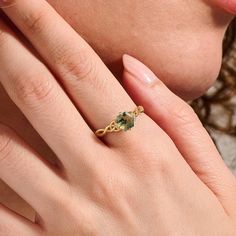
(215, 197)
(193, 38)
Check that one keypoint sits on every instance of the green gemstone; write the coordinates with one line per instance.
(125, 120)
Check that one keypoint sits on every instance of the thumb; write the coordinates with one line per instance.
(181, 123)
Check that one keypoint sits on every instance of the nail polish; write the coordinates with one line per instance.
(139, 70)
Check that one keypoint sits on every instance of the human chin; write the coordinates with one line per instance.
(182, 48)
(188, 71)
(188, 66)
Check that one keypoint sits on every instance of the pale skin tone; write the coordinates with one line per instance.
(165, 177)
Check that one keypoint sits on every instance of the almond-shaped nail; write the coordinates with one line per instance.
(139, 70)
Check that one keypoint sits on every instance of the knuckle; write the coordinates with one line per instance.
(81, 70)
(56, 200)
(76, 66)
(5, 143)
(33, 88)
(185, 114)
(159, 168)
(151, 163)
(113, 187)
(59, 194)
(34, 21)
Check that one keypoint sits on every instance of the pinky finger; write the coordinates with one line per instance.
(179, 121)
(12, 224)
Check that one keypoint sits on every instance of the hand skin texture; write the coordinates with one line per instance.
(179, 40)
(175, 184)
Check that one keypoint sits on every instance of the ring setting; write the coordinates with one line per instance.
(123, 122)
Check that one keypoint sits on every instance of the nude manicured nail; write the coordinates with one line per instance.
(139, 70)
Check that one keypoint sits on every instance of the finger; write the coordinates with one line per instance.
(96, 92)
(12, 224)
(180, 122)
(26, 173)
(36, 92)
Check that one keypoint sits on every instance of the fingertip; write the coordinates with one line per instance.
(139, 71)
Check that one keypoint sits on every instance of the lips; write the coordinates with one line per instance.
(228, 5)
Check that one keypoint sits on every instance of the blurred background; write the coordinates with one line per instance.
(217, 108)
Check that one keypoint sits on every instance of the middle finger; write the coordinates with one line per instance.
(95, 91)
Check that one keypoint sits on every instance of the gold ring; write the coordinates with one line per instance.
(124, 121)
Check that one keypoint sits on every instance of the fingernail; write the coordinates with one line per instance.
(139, 70)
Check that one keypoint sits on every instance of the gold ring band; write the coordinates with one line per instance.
(124, 121)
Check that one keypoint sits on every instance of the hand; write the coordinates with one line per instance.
(165, 177)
